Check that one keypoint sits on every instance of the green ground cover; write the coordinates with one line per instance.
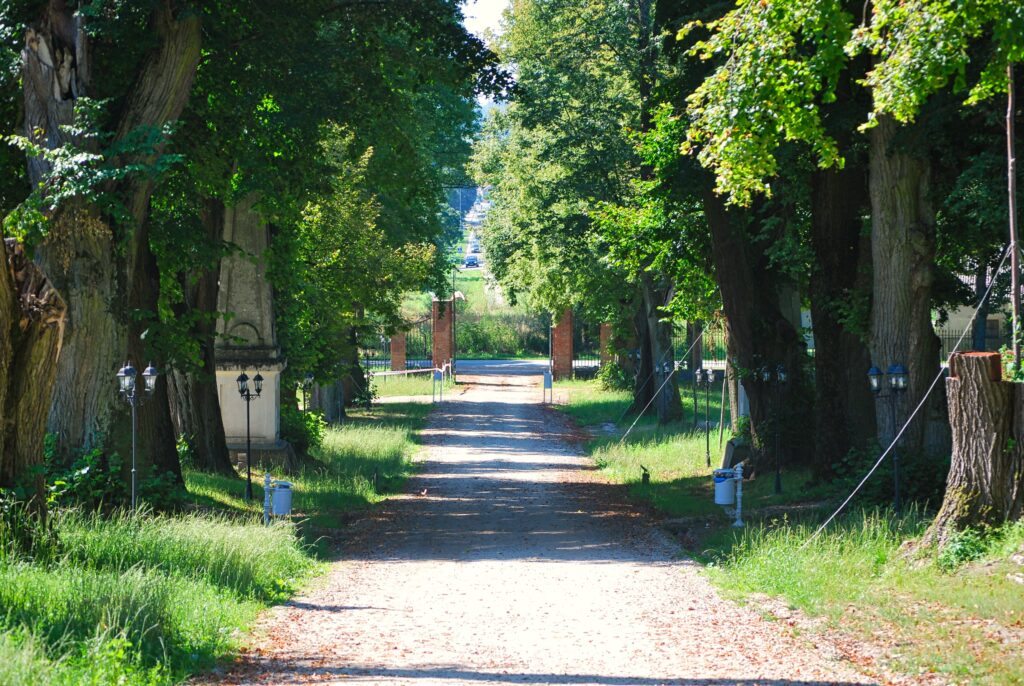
(373, 446)
(676, 456)
(137, 598)
(406, 385)
(958, 613)
(146, 599)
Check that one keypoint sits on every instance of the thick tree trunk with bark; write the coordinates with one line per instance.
(986, 476)
(92, 261)
(668, 405)
(643, 381)
(844, 417)
(32, 317)
(194, 400)
(903, 254)
(760, 334)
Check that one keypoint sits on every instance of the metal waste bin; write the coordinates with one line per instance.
(725, 487)
(281, 498)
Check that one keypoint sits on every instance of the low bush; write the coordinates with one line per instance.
(304, 430)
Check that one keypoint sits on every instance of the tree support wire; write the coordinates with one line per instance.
(924, 399)
(667, 379)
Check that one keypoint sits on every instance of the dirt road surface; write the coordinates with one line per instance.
(517, 567)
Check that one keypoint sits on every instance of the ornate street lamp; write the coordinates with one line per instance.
(899, 381)
(248, 394)
(126, 383)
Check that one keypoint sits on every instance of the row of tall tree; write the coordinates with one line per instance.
(137, 125)
(671, 159)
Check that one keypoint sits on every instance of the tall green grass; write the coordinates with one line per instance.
(136, 598)
(143, 599)
(253, 562)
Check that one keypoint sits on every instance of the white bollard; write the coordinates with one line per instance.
(739, 496)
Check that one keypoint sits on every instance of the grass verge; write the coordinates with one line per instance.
(958, 614)
(962, 619)
(141, 599)
(358, 465)
(136, 598)
(419, 384)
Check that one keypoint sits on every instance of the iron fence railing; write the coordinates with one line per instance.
(948, 337)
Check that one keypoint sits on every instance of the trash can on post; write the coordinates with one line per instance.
(725, 487)
(281, 498)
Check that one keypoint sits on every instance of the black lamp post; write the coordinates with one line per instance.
(899, 380)
(126, 381)
(698, 375)
(248, 394)
(306, 383)
(706, 378)
(781, 377)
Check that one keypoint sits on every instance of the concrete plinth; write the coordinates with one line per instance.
(248, 339)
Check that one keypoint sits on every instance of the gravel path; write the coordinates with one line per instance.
(515, 567)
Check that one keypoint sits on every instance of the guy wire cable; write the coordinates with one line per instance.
(913, 414)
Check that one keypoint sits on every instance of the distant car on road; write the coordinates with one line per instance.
(472, 261)
(475, 248)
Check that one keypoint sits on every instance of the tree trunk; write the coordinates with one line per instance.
(694, 339)
(196, 403)
(32, 316)
(668, 404)
(643, 381)
(95, 270)
(760, 335)
(843, 400)
(903, 253)
(986, 476)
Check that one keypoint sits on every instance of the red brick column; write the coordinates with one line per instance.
(561, 347)
(398, 352)
(606, 344)
(442, 324)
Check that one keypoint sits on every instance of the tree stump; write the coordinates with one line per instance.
(986, 416)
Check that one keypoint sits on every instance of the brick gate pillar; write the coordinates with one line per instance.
(561, 347)
(443, 324)
(398, 352)
(606, 344)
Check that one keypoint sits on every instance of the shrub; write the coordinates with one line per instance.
(613, 377)
(962, 547)
(304, 430)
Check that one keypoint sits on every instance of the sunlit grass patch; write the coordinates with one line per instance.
(966, 623)
(359, 463)
(417, 384)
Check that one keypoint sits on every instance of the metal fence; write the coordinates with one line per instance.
(419, 345)
(586, 348)
(712, 344)
(375, 351)
(995, 338)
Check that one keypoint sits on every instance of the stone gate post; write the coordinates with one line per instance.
(561, 347)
